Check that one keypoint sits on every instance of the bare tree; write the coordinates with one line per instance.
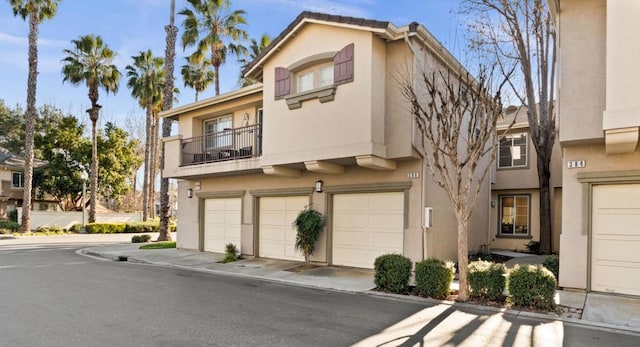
(170, 57)
(525, 37)
(457, 116)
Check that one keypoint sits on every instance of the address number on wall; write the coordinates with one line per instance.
(576, 164)
(414, 174)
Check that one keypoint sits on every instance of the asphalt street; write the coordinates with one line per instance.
(51, 296)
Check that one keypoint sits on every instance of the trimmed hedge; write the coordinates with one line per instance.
(9, 225)
(434, 277)
(140, 238)
(552, 263)
(118, 228)
(487, 280)
(532, 286)
(392, 272)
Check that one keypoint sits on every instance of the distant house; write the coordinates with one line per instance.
(599, 114)
(515, 194)
(12, 185)
(327, 126)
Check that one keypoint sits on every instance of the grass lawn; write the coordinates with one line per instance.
(160, 245)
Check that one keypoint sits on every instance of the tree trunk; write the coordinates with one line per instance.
(94, 166)
(170, 57)
(216, 70)
(147, 166)
(153, 161)
(30, 117)
(463, 260)
(544, 175)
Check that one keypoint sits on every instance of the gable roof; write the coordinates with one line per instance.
(383, 29)
(16, 162)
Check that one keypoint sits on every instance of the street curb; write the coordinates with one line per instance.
(417, 299)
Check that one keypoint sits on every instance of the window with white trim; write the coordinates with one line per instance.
(314, 78)
(218, 132)
(17, 180)
(514, 215)
(513, 151)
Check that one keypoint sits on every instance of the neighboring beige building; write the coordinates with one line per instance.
(12, 188)
(328, 126)
(599, 113)
(515, 197)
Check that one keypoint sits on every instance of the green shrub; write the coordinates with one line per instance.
(434, 277)
(552, 263)
(9, 225)
(13, 216)
(50, 230)
(532, 286)
(308, 224)
(487, 280)
(392, 272)
(76, 228)
(533, 247)
(106, 228)
(142, 227)
(230, 253)
(140, 238)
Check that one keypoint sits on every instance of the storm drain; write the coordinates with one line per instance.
(123, 258)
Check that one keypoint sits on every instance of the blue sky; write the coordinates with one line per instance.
(129, 26)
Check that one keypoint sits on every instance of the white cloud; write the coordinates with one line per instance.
(352, 8)
(23, 41)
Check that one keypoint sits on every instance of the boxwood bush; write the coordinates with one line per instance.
(434, 277)
(106, 228)
(392, 272)
(140, 238)
(532, 286)
(9, 225)
(552, 263)
(487, 280)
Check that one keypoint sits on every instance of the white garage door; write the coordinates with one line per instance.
(221, 224)
(366, 226)
(276, 235)
(615, 259)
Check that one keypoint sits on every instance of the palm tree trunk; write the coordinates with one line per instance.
(153, 165)
(170, 57)
(94, 166)
(216, 70)
(30, 117)
(147, 166)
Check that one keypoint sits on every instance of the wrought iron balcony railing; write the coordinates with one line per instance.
(229, 144)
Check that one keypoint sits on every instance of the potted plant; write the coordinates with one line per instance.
(309, 224)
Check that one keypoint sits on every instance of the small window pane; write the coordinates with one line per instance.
(514, 215)
(305, 82)
(17, 179)
(326, 76)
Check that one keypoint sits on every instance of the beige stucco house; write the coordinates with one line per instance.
(599, 112)
(515, 196)
(327, 126)
(12, 185)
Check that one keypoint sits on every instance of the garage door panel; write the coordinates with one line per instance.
(365, 226)
(222, 220)
(276, 233)
(615, 259)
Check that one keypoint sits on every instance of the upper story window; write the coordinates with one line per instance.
(314, 76)
(218, 132)
(17, 180)
(513, 151)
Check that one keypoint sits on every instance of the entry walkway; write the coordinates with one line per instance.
(607, 311)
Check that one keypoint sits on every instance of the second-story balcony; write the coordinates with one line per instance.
(229, 144)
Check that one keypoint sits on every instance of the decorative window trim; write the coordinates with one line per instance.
(514, 235)
(323, 94)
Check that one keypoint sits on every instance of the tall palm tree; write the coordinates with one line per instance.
(90, 62)
(37, 11)
(197, 74)
(167, 103)
(212, 25)
(146, 80)
(255, 48)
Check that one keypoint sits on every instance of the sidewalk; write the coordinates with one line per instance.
(598, 310)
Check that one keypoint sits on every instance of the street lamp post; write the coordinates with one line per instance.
(84, 177)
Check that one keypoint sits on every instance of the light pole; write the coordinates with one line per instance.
(84, 176)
